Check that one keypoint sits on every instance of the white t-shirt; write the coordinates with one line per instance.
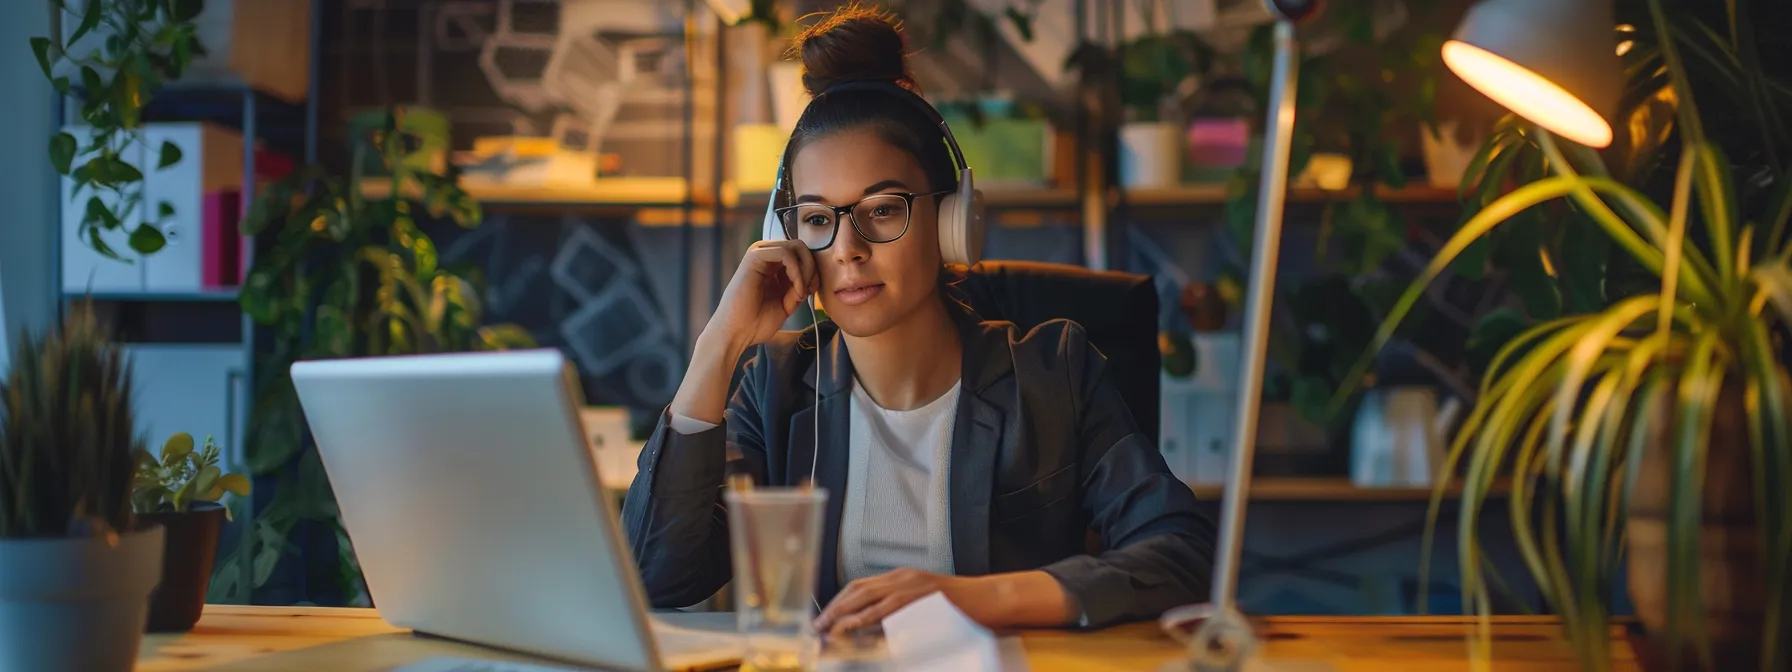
(896, 511)
(896, 508)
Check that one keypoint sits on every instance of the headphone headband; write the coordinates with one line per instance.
(961, 213)
(914, 100)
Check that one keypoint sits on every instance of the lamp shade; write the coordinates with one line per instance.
(1553, 62)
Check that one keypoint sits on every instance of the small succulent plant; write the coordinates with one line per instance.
(66, 435)
(182, 476)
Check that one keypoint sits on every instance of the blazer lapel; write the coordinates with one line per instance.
(827, 453)
(977, 434)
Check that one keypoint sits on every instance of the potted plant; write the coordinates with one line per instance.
(76, 567)
(180, 491)
(350, 272)
(136, 47)
(1653, 434)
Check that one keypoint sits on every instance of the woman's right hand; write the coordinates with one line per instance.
(773, 279)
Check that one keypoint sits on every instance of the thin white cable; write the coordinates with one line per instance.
(815, 415)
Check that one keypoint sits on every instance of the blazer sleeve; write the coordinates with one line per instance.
(676, 522)
(1157, 546)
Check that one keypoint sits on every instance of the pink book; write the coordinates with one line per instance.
(222, 242)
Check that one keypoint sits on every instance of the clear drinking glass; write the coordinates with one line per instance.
(776, 538)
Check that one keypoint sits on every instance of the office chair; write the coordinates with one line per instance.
(1118, 310)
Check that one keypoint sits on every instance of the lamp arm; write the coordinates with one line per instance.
(1223, 641)
(1266, 247)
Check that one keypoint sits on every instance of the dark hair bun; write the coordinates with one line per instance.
(853, 44)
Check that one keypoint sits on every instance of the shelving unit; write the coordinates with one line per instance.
(180, 335)
(1330, 489)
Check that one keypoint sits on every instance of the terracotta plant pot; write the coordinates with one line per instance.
(1730, 571)
(188, 555)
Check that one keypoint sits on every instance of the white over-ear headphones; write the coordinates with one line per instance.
(961, 213)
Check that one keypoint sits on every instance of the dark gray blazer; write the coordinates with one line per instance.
(1043, 452)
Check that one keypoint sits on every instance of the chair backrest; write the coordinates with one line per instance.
(1118, 310)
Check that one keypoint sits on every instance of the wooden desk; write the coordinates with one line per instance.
(276, 639)
(1334, 489)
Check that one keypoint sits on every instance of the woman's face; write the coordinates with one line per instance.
(868, 287)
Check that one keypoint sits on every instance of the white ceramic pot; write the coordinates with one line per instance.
(1446, 159)
(1150, 155)
(76, 604)
(788, 96)
(1400, 437)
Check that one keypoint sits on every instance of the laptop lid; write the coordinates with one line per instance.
(474, 505)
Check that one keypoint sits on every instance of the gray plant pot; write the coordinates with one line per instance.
(76, 604)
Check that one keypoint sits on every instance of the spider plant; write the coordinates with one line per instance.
(1573, 408)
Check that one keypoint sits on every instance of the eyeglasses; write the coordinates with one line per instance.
(879, 218)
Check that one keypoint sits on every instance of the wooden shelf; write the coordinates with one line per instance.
(626, 192)
(1329, 489)
(223, 294)
(998, 198)
(1215, 194)
(670, 196)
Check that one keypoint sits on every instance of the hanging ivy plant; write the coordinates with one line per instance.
(120, 53)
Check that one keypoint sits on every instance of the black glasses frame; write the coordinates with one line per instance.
(846, 210)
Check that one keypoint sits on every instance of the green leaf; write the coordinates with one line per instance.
(1717, 198)
(1778, 212)
(40, 46)
(1023, 24)
(92, 233)
(187, 10)
(1309, 396)
(164, 210)
(91, 84)
(170, 155)
(97, 214)
(1776, 282)
(422, 249)
(1521, 251)
(1491, 333)
(236, 484)
(1387, 165)
(1494, 214)
(62, 152)
(505, 337)
(147, 239)
(466, 210)
(177, 447)
(203, 483)
(124, 173)
(183, 56)
(90, 19)
(1583, 259)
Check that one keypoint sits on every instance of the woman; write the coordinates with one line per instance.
(960, 456)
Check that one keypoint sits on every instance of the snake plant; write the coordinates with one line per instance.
(1569, 406)
(67, 435)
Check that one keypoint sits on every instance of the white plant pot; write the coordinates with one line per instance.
(1445, 158)
(1150, 155)
(76, 604)
(788, 95)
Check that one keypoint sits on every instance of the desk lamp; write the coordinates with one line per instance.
(1549, 61)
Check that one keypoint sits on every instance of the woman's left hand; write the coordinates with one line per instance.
(867, 601)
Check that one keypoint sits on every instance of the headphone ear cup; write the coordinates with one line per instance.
(951, 226)
(771, 229)
(961, 223)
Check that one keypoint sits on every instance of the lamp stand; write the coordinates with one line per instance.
(1224, 641)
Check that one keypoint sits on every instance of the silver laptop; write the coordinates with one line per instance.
(476, 509)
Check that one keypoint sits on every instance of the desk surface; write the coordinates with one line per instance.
(350, 640)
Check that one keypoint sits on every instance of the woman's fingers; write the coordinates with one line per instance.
(856, 596)
(873, 614)
(773, 258)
